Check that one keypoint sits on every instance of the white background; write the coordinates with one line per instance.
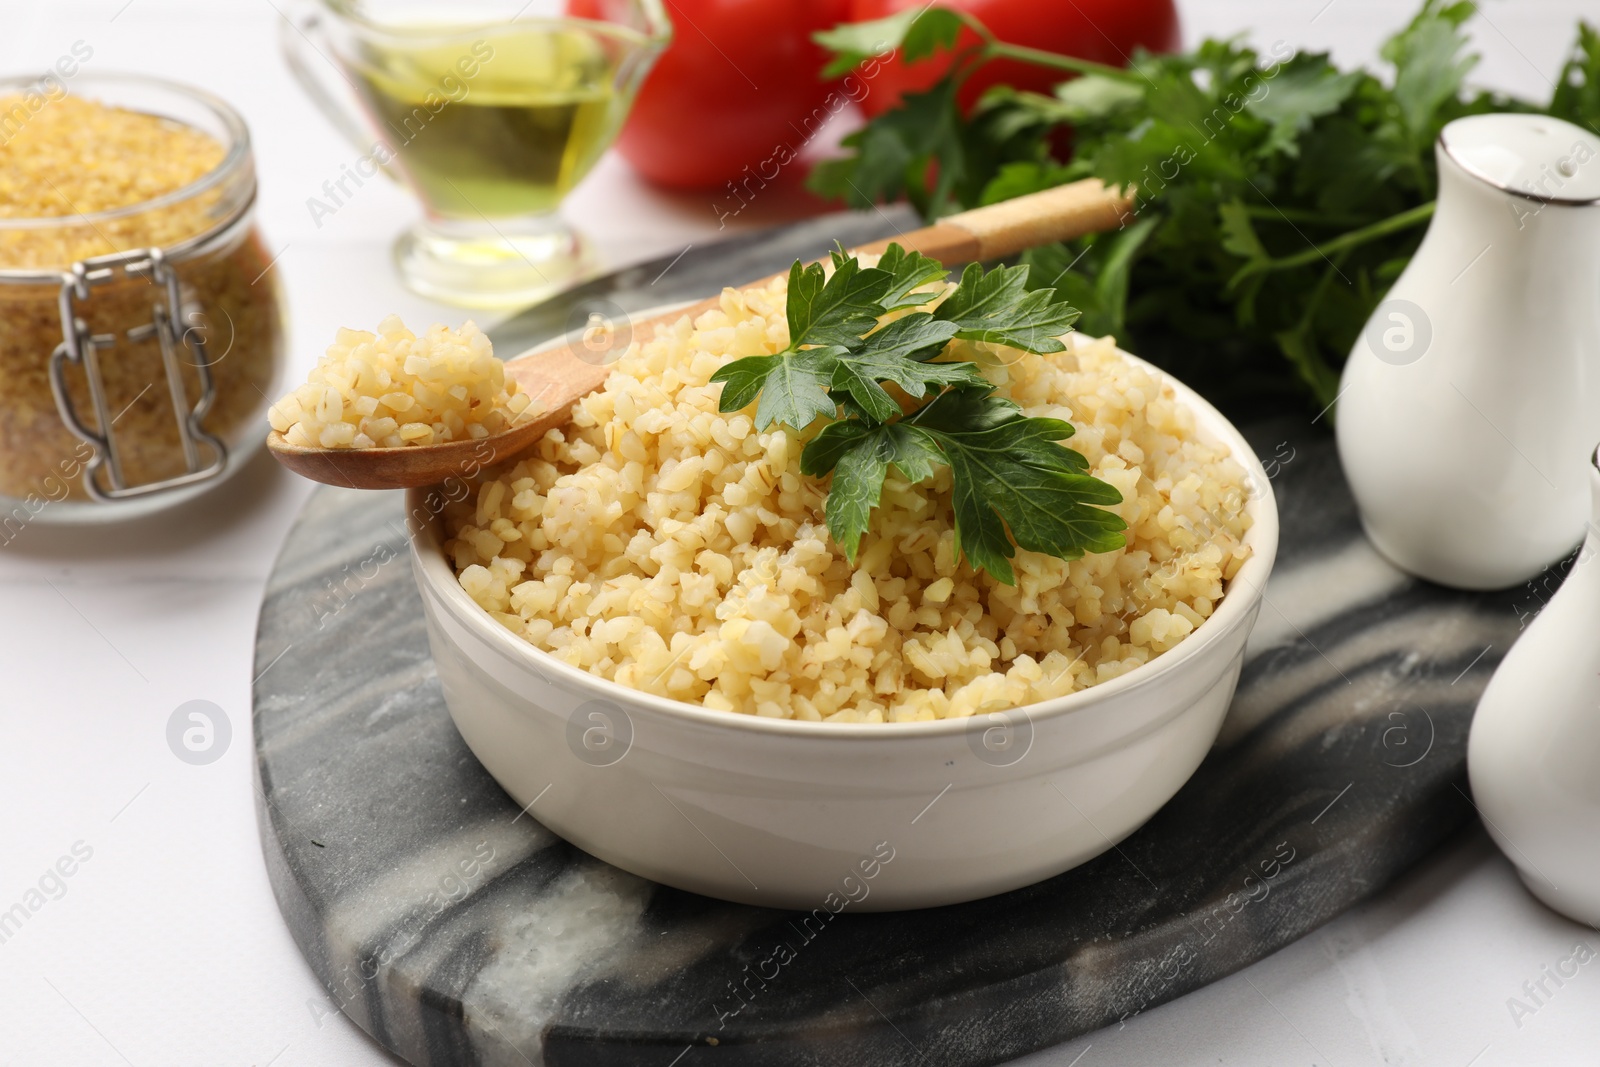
(167, 949)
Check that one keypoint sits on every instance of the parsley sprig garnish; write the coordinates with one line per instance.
(1013, 484)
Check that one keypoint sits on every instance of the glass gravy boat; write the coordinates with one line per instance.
(490, 111)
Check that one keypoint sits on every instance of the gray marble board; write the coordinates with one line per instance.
(456, 930)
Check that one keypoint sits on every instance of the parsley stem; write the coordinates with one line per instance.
(1354, 239)
(1038, 57)
(1300, 346)
(1268, 213)
(995, 48)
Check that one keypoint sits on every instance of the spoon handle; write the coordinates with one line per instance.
(1006, 228)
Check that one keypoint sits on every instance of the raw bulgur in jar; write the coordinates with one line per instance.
(101, 166)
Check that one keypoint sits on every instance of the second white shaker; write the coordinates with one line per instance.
(1534, 753)
(1471, 403)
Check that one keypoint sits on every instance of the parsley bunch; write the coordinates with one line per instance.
(1279, 197)
(1012, 483)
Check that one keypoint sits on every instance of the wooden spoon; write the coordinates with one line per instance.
(558, 377)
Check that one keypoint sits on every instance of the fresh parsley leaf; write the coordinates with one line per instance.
(912, 453)
(909, 270)
(1346, 167)
(1020, 179)
(848, 408)
(1239, 233)
(840, 361)
(1304, 90)
(971, 409)
(793, 386)
(1431, 63)
(796, 390)
(996, 306)
(917, 336)
(836, 309)
(876, 171)
(1095, 96)
(823, 452)
(929, 153)
(925, 127)
(933, 28)
(859, 457)
(1239, 238)
(1577, 93)
(1100, 294)
(917, 32)
(836, 348)
(854, 381)
(856, 489)
(1011, 475)
(743, 379)
(859, 373)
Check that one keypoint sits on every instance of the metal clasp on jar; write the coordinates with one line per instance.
(81, 347)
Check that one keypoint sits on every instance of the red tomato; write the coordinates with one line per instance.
(738, 87)
(1104, 31)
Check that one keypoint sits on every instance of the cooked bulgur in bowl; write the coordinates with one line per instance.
(671, 548)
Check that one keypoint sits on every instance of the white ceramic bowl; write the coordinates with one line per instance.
(831, 815)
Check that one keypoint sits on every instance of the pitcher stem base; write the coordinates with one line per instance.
(488, 266)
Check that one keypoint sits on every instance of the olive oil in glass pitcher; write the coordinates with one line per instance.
(490, 112)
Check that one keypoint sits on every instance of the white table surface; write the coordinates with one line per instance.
(166, 949)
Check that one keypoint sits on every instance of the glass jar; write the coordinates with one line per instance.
(139, 345)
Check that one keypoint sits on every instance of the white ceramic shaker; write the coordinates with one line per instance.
(1470, 401)
(1534, 752)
